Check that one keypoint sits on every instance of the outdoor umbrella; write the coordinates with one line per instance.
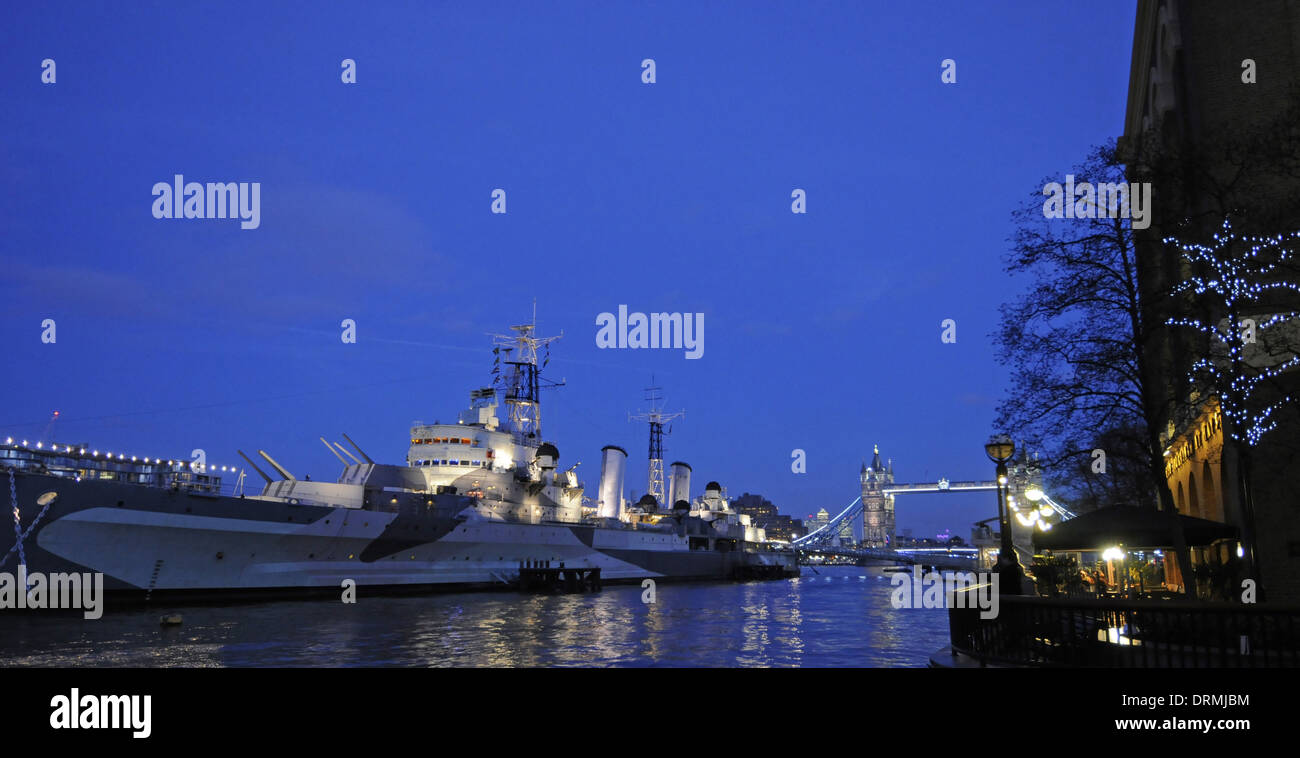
(1133, 527)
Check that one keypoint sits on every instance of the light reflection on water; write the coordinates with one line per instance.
(838, 617)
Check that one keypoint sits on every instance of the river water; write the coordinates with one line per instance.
(834, 616)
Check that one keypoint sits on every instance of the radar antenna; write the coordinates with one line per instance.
(657, 418)
(521, 382)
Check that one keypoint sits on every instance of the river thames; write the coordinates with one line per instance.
(835, 616)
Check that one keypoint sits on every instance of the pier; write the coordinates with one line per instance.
(545, 578)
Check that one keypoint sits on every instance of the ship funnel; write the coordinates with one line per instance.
(679, 483)
(613, 465)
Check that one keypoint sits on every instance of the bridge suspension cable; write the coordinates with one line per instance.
(1066, 513)
(832, 528)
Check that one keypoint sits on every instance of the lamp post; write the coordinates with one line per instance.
(999, 449)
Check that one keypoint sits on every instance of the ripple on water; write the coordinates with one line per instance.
(835, 618)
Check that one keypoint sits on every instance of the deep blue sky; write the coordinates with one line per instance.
(821, 330)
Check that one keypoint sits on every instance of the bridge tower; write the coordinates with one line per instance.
(877, 506)
(1023, 474)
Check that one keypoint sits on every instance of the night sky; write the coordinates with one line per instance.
(822, 330)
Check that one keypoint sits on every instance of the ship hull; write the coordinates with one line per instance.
(152, 543)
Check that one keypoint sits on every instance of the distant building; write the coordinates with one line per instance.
(845, 534)
(785, 528)
(763, 514)
(817, 520)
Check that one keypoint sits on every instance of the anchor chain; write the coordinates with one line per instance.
(19, 533)
(18, 524)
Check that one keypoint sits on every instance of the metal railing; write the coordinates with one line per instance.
(1032, 631)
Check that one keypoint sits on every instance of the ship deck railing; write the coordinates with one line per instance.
(79, 466)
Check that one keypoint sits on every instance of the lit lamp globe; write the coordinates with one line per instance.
(1000, 448)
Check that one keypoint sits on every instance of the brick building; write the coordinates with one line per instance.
(1210, 121)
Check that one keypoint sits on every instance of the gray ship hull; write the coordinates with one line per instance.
(153, 543)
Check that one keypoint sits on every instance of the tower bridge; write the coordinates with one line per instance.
(872, 512)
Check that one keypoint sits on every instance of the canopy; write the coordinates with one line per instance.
(1130, 526)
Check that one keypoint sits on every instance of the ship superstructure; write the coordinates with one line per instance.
(502, 463)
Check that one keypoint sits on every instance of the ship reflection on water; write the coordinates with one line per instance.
(838, 617)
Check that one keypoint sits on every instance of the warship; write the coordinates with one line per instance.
(476, 505)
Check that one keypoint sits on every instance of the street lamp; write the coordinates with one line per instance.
(999, 449)
(1117, 553)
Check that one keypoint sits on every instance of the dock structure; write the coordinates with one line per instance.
(542, 577)
(746, 572)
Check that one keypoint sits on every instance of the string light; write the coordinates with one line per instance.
(1238, 282)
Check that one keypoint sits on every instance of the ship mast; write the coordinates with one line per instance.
(522, 381)
(656, 417)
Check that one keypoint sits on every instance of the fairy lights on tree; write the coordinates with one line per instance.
(1234, 278)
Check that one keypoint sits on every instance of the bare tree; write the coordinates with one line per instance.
(1075, 343)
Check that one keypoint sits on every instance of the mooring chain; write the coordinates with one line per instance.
(19, 532)
(18, 524)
